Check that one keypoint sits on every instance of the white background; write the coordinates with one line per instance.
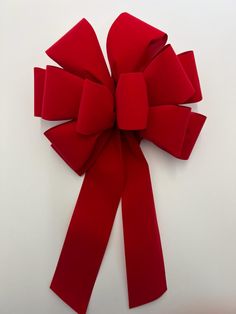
(195, 199)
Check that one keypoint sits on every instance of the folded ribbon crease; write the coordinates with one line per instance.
(109, 115)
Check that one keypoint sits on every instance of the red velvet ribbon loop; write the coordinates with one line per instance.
(79, 52)
(188, 62)
(109, 115)
(78, 151)
(174, 129)
(132, 43)
(167, 81)
(57, 86)
(96, 112)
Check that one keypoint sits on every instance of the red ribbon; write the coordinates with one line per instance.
(108, 117)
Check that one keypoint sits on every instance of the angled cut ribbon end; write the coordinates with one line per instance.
(148, 299)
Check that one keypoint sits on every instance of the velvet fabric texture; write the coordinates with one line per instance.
(145, 97)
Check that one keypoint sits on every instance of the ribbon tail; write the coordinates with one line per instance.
(144, 259)
(90, 228)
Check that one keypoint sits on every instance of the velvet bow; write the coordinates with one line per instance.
(108, 117)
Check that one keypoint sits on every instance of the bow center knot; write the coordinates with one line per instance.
(131, 101)
(98, 105)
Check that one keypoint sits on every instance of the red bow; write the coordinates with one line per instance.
(109, 116)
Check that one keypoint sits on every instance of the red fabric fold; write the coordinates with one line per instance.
(167, 81)
(96, 109)
(39, 78)
(188, 62)
(78, 151)
(79, 52)
(174, 129)
(195, 124)
(132, 43)
(61, 94)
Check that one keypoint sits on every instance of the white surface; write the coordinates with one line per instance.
(195, 200)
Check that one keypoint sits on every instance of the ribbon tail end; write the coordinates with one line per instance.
(66, 300)
(136, 303)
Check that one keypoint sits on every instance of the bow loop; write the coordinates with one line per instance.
(39, 79)
(60, 95)
(132, 43)
(79, 52)
(57, 93)
(131, 101)
(167, 81)
(175, 129)
(96, 112)
(77, 150)
(188, 62)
